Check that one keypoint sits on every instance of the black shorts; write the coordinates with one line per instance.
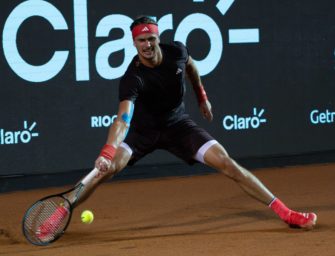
(182, 139)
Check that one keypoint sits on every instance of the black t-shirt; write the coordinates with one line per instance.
(157, 92)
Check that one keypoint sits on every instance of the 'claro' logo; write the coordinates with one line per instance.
(20, 136)
(235, 122)
(39, 9)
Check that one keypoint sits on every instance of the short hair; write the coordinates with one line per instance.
(142, 20)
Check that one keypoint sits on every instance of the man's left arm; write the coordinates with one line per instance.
(194, 77)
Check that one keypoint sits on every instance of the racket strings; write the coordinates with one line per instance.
(46, 220)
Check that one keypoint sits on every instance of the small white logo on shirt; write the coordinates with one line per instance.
(145, 29)
(179, 70)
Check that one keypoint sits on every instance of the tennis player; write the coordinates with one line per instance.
(152, 116)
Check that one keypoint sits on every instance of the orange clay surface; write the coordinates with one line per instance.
(199, 215)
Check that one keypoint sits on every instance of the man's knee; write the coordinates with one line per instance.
(115, 167)
(119, 162)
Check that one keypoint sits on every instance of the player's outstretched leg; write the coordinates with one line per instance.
(217, 157)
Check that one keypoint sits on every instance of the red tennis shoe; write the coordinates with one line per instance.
(301, 220)
(50, 225)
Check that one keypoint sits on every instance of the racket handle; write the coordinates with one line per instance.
(90, 176)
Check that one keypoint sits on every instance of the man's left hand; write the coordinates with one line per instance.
(206, 110)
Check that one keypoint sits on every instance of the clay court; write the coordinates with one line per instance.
(194, 215)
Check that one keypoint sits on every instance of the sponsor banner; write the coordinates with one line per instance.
(318, 117)
(269, 77)
(24, 135)
(235, 122)
(102, 121)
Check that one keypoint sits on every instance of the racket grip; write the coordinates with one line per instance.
(90, 176)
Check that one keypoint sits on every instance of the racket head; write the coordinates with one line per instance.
(47, 219)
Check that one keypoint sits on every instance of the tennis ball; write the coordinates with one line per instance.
(87, 217)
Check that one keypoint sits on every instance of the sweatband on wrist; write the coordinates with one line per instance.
(201, 93)
(108, 151)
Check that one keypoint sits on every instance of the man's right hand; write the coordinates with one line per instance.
(103, 164)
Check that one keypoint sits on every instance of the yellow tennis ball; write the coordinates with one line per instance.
(87, 217)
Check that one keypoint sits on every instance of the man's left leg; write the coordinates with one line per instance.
(216, 157)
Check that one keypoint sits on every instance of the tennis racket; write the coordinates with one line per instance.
(47, 219)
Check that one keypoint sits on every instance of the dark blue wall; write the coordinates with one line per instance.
(268, 68)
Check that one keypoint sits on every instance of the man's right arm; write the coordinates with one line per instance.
(119, 128)
(116, 134)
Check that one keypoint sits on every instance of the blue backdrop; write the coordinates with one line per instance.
(268, 68)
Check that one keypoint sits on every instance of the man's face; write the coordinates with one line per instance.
(147, 45)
